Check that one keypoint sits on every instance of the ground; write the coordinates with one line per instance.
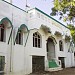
(67, 71)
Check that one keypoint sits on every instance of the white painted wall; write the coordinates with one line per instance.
(18, 58)
(21, 55)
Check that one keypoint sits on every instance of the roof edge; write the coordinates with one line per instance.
(50, 17)
(14, 5)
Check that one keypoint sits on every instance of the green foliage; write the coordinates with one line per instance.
(61, 7)
(72, 30)
(66, 10)
(53, 12)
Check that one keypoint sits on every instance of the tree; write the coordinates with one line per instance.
(64, 8)
(72, 30)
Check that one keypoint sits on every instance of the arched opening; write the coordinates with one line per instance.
(5, 23)
(60, 45)
(50, 48)
(23, 27)
(20, 34)
(37, 40)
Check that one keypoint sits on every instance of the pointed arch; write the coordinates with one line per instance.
(7, 20)
(23, 27)
(51, 47)
(54, 40)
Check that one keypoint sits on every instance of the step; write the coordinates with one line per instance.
(55, 69)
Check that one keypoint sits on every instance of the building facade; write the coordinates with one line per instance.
(32, 41)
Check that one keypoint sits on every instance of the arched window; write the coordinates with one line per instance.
(2, 33)
(19, 37)
(74, 55)
(60, 45)
(36, 40)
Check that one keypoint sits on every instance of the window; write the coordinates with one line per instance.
(60, 45)
(2, 33)
(19, 37)
(36, 40)
(74, 55)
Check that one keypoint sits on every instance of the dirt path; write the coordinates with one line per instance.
(67, 71)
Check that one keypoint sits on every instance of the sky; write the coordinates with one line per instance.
(44, 5)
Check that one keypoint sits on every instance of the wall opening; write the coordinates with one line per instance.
(2, 63)
(38, 64)
(62, 59)
(50, 49)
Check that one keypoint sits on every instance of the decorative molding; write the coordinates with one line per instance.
(57, 33)
(67, 38)
(46, 28)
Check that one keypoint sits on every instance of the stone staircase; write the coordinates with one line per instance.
(54, 65)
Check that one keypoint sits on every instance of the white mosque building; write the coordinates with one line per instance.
(32, 41)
